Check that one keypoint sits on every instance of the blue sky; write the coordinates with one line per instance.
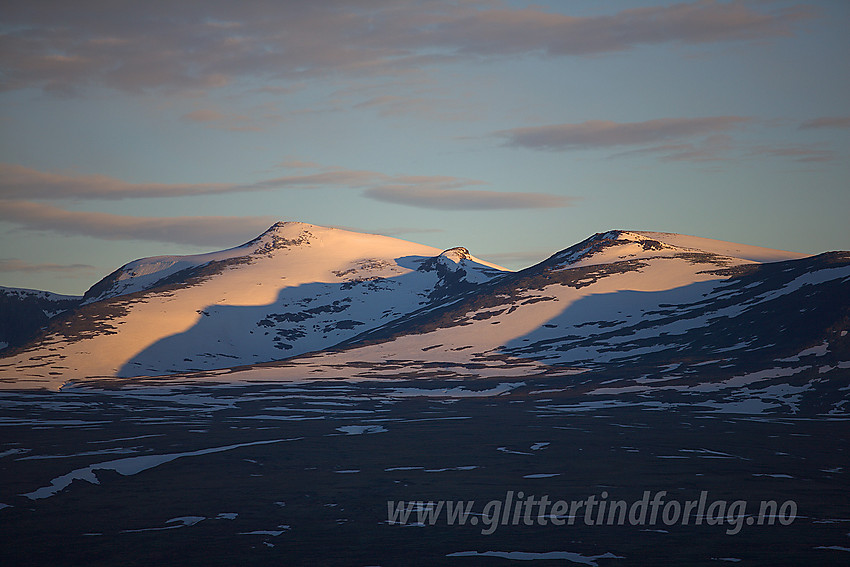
(513, 128)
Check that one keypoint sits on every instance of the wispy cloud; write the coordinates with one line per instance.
(826, 122)
(257, 120)
(18, 182)
(221, 120)
(434, 107)
(605, 134)
(17, 265)
(394, 231)
(464, 200)
(133, 46)
(800, 153)
(427, 191)
(198, 231)
(713, 148)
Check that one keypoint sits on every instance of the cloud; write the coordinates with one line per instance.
(229, 121)
(826, 122)
(332, 177)
(136, 46)
(437, 108)
(18, 182)
(604, 134)
(394, 231)
(17, 265)
(428, 191)
(19, 185)
(712, 148)
(293, 163)
(799, 153)
(221, 120)
(464, 200)
(199, 231)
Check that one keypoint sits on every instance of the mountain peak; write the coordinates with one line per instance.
(456, 254)
(619, 245)
(282, 234)
(291, 226)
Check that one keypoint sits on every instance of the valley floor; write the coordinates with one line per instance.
(302, 473)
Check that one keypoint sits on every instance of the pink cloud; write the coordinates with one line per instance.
(800, 153)
(17, 265)
(198, 231)
(230, 121)
(464, 200)
(826, 122)
(19, 182)
(18, 185)
(604, 133)
(62, 46)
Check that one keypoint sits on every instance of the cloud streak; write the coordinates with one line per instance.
(137, 46)
(17, 265)
(826, 122)
(464, 200)
(212, 118)
(799, 153)
(596, 134)
(18, 183)
(198, 231)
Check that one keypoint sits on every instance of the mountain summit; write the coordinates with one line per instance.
(621, 245)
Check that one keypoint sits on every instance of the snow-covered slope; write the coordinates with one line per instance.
(294, 289)
(618, 301)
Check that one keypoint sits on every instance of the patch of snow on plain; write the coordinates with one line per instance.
(458, 392)
(129, 466)
(534, 556)
(751, 406)
(819, 350)
(361, 429)
(181, 522)
(273, 533)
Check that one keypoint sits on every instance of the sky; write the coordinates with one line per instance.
(515, 129)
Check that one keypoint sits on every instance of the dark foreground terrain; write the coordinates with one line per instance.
(301, 474)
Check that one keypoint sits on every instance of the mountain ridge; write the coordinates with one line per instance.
(298, 289)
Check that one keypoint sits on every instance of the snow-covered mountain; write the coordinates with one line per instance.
(296, 288)
(23, 312)
(333, 303)
(627, 296)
